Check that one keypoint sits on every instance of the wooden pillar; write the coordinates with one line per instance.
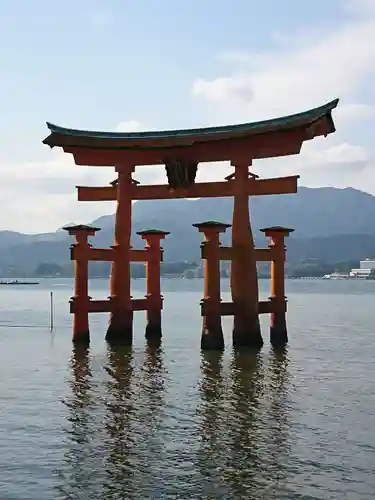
(153, 239)
(244, 279)
(120, 328)
(278, 329)
(80, 253)
(212, 333)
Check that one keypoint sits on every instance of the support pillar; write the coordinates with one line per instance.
(244, 279)
(278, 329)
(153, 239)
(212, 332)
(80, 251)
(120, 328)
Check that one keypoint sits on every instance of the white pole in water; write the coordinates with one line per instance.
(51, 312)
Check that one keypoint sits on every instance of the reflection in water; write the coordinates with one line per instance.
(244, 424)
(119, 434)
(279, 388)
(240, 414)
(151, 447)
(210, 428)
(278, 439)
(134, 409)
(119, 409)
(78, 474)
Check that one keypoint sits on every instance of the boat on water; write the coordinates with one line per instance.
(17, 282)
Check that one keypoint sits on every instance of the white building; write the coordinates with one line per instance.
(360, 273)
(367, 264)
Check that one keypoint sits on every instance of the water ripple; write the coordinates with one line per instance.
(170, 422)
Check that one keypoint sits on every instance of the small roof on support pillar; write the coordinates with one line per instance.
(81, 228)
(147, 232)
(281, 230)
(220, 227)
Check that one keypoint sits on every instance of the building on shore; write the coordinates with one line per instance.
(361, 273)
(365, 271)
(367, 264)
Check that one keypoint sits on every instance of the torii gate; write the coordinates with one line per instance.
(181, 151)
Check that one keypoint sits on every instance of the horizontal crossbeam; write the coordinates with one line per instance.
(228, 308)
(261, 254)
(99, 306)
(255, 187)
(107, 254)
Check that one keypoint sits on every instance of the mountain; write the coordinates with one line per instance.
(330, 224)
(327, 221)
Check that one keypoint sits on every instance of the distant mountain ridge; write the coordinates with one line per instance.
(330, 225)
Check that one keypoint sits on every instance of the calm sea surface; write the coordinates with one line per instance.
(174, 423)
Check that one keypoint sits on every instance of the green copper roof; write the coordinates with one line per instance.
(61, 136)
(277, 229)
(146, 232)
(211, 224)
(81, 227)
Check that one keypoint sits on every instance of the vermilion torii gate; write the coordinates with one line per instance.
(181, 151)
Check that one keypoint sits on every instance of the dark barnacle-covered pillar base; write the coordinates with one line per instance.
(278, 329)
(120, 328)
(212, 338)
(153, 329)
(245, 335)
(153, 332)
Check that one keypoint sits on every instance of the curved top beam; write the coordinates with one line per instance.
(61, 136)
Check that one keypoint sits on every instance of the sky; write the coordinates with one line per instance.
(132, 65)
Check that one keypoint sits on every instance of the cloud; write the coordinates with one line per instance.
(351, 112)
(318, 164)
(129, 126)
(51, 183)
(339, 155)
(41, 196)
(306, 71)
(239, 88)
